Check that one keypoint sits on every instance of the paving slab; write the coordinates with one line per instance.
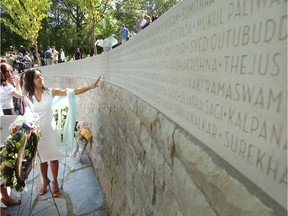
(80, 193)
(84, 191)
(50, 207)
(98, 213)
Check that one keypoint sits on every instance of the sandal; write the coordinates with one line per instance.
(55, 191)
(10, 202)
(43, 189)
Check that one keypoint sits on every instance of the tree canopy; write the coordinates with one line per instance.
(69, 24)
(25, 17)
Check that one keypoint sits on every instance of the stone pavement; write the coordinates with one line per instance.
(79, 188)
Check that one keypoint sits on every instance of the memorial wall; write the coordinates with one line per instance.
(219, 70)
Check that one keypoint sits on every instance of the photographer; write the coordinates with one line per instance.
(21, 64)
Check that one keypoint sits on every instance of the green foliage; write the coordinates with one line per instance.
(10, 38)
(21, 138)
(25, 17)
(70, 22)
(94, 9)
(127, 12)
(107, 27)
(162, 6)
(90, 7)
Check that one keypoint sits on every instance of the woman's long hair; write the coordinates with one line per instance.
(29, 86)
(5, 73)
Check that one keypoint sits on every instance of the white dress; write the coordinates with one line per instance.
(49, 144)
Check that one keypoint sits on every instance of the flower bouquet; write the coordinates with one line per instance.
(83, 136)
(19, 152)
(60, 116)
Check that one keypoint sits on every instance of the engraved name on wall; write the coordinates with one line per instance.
(218, 69)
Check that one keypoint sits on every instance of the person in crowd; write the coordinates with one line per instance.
(124, 34)
(33, 53)
(3, 60)
(49, 56)
(11, 50)
(6, 90)
(148, 21)
(77, 54)
(62, 56)
(8, 60)
(154, 16)
(10, 55)
(38, 99)
(22, 50)
(55, 55)
(140, 22)
(42, 58)
(27, 58)
(5, 198)
(9, 88)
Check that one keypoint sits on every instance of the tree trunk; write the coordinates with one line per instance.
(94, 37)
(37, 54)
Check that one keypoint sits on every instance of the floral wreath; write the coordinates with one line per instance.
(19, 153)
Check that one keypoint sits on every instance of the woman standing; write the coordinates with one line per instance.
(39, 99)
(5, 198)
(9, 88)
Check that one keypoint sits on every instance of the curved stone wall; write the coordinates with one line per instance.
(191, 116)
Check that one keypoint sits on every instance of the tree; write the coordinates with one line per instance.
(162, 6)
(127, 12)
(107, 27)
(59, 29)
(70, 23)
(94, 10)
(25, 17)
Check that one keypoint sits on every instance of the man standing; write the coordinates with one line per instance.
(33, 53)
(55, 55)
(49, 56)
(77, 54)
(140, 22)
(22, 50)
(124, 33)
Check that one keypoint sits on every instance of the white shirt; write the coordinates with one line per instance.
(1, 111)
(27, 58)
(62, 56)
(6, 96)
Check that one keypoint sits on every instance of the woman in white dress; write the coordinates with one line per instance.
(39, 100)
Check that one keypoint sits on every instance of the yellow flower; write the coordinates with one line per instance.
(86, 133)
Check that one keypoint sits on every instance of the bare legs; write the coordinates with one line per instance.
(4, 212)
(54, 165)
(54, 169)
(45, 179)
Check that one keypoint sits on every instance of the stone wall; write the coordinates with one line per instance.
(191, 114)
(148, 165)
